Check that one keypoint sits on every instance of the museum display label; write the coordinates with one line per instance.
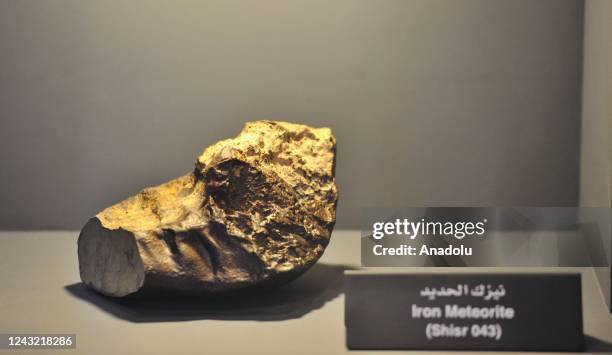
(465, 311)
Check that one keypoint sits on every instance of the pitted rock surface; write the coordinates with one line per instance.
(257, 209)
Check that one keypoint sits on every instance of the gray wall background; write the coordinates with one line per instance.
(596, 148)
(433, 102)
(596, 151)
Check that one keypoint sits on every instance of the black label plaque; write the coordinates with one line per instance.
(484, 311)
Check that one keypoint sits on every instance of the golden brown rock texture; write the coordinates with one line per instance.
(257, 209)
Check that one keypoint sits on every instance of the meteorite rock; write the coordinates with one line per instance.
(257, 209)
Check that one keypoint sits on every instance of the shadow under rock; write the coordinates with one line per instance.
(321, 284)
(594, 345)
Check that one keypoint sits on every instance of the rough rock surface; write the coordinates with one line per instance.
(257, 209)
